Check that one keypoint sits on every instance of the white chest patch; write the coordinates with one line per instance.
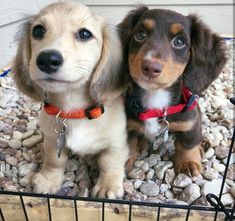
(154, 99)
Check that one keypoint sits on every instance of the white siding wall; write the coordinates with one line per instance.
(218, 14)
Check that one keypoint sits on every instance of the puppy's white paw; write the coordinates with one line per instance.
(108, 188)
(46, 183)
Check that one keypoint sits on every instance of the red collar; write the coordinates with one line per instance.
(189, 101)
(92, 112)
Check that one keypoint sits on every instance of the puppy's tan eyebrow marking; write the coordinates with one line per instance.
(176, 28)
(149, 23)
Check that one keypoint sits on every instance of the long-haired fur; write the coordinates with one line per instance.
(88, 75)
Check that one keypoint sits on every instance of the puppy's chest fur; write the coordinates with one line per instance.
(151, 100)
(85, 136)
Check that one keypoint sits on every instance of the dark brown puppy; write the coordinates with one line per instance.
(167, 52)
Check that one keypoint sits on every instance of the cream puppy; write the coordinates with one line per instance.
(72, 58)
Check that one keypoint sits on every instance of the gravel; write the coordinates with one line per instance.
(152, 179)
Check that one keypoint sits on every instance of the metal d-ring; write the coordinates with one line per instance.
(60, 124)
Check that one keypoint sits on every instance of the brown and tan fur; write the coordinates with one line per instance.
(159, 68)
(89, 74)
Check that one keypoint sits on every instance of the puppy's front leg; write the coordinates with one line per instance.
(112, 172)
(51, 176)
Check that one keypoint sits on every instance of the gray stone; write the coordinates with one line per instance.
(190, 193)
(11, 160)
(152, 160)
(24, 169)
(136, 173)
(137, 184)
(68, 184)
(25, 156)
(170, 176)
(182, 180)
(161, 168)
(210, 174)
(149, 189)
(221, 152)
(164, 187)
(2, 156)
(3, 144)
(169, 194)
(33, 140)
(138, 163)
(1, 174)
(14, 143)
(150, 174)
(176, 190)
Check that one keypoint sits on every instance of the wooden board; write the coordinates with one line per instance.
(64, 210)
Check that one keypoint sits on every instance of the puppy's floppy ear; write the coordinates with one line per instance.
(21, 65)
(108, 82)
(208, 57)
(129, 22)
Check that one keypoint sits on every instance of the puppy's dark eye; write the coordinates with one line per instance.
(84, 35)
(140, 35)
(38, 32)
(179, 42)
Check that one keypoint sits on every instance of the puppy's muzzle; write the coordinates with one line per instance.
(49, 61)
(151, 69)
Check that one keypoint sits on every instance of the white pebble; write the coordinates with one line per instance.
(231, 161)
(14, 143)
(27, 134)
(218, 166)
(169, 194)
(17, 135)
(190, 193)
(227, 199)
(182, 180)
(33, 140)
(137, 184)
(209, 153)
(26, 168)
(161, 168)
(213, 187)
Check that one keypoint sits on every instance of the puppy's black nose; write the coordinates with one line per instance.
(151, 69)
(49, 61)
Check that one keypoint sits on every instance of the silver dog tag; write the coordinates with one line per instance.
(60, 128)
(60, 143)
(162, 136)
